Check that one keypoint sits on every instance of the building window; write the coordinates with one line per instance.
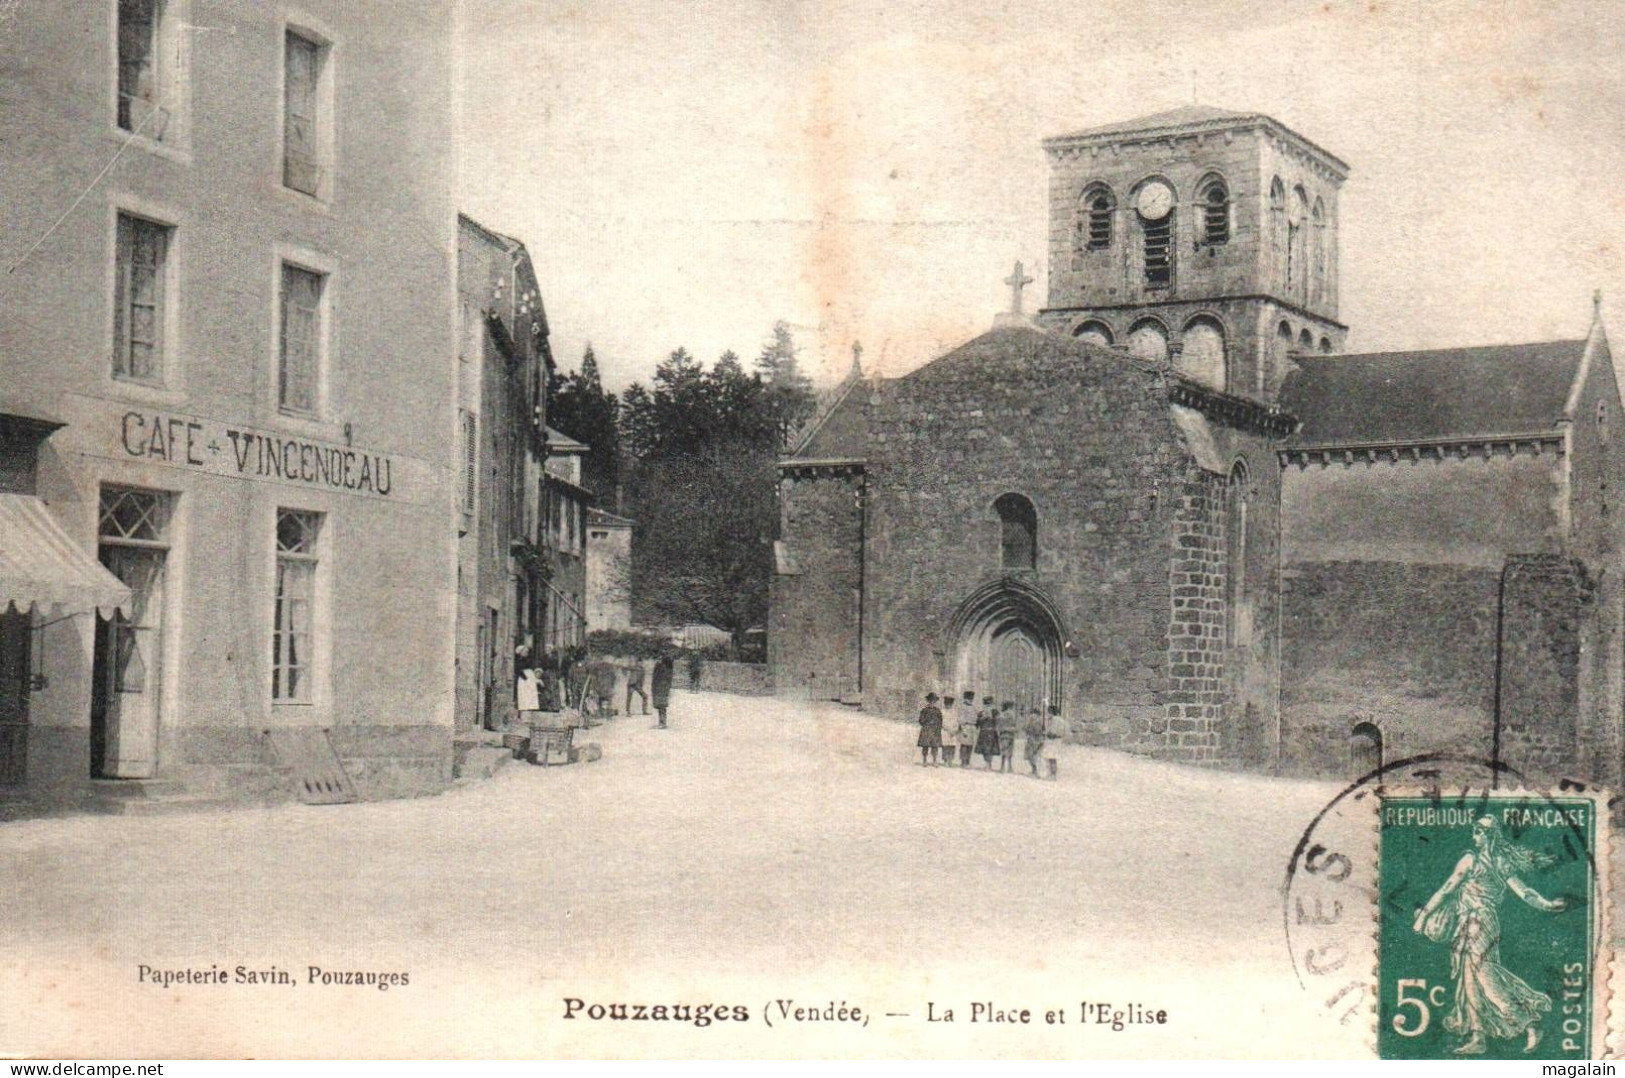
(1279, 245)
(1159, 251)
(1235, 522)
(1149, 340)
(1092, 332)
(292, 639)
(1326, 346)
(139, 301)
(301, 340)
(1018, 532)
(471, 462)
(303, 122)
(133, 542)
(1096, 226)
(1297, 262)
(1201, 352)
(1317, 255)
(1306, 341)
(143, 106)
(1213, 198)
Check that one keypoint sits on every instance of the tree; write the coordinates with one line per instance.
(790, 398)
(579, 407)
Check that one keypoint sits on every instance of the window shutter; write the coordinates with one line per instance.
(471, 459)
(121, 298)
(300, 168)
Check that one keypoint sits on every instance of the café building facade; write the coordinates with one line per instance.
(227, 482)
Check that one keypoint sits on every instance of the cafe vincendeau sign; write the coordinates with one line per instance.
(236, 451)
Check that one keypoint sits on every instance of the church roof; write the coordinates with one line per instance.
(1178, 117)
(1190, 118)
(1435, 395)
(841, 430)
(1020, 342)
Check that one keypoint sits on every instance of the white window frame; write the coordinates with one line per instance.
(328, 57)
(326, 337)
(167, 385)
(317, 666)
(174, 82)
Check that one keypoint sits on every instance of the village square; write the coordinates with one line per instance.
(1025, 555)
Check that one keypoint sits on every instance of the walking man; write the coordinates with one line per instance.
(660, 687)
(634, 684)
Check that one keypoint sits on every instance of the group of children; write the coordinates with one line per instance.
(988, 732)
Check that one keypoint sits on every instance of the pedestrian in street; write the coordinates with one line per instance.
(967, 728)
(1007, 723)
(1055, 731)
(950, 730)
(987, 733)
(660, 687)
(930, 739)
(1032, 732)
(694, 668)
(634, 684)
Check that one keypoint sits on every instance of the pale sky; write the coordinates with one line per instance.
(685, 172)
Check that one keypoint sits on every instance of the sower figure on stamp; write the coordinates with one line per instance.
(1491, 1001)
(930, 739)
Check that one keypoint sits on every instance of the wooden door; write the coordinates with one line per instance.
(15, 633)
(1017, 669)
(124, 708)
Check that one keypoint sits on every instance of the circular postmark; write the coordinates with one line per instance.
(1342, 889)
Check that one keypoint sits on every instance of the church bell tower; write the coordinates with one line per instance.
(1200, 236)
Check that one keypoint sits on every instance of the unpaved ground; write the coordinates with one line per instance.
(758, 850)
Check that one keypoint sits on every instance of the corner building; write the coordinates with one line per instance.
(237, 342)
(1176, 507)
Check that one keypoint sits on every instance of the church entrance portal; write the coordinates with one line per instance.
(1008, 644)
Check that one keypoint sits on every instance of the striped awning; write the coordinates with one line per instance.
(41, 567)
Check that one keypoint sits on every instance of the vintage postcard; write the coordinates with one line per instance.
(762, 528)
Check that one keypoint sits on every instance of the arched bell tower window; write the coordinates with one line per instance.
(1278, 223)
(1306, 341)
(1094, 332)
(1018, 535)
(1235, 577)
(1148, 339)
(1317, 258)
(1095, 221)
(1297, 257)
(1201, 351)
(1213, 202)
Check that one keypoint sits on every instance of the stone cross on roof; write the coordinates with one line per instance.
(1017, 280)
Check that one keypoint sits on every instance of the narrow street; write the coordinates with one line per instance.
(758, 850)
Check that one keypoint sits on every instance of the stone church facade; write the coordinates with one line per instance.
(1172, 505)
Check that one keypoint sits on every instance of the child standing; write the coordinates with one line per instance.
(967, 728)
(1055, 730)
(1007, 723)
(987, 732)
(1032, 732)
(930, 739)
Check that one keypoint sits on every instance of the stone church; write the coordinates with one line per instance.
(1172, 504)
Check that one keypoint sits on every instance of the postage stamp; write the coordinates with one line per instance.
(1492, 926)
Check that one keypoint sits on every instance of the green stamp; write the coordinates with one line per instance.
(1491, 925)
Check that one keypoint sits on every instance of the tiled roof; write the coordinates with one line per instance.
(563, 443)
(608, 519)
(1178, 117)
(1431, 395)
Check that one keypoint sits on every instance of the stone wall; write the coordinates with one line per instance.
(1409, 648)
(748, 679)
(1101, 464)
(1546, 599)
(813, 605)
(1196, 675)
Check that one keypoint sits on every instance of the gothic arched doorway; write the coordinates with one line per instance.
(1008, 642)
